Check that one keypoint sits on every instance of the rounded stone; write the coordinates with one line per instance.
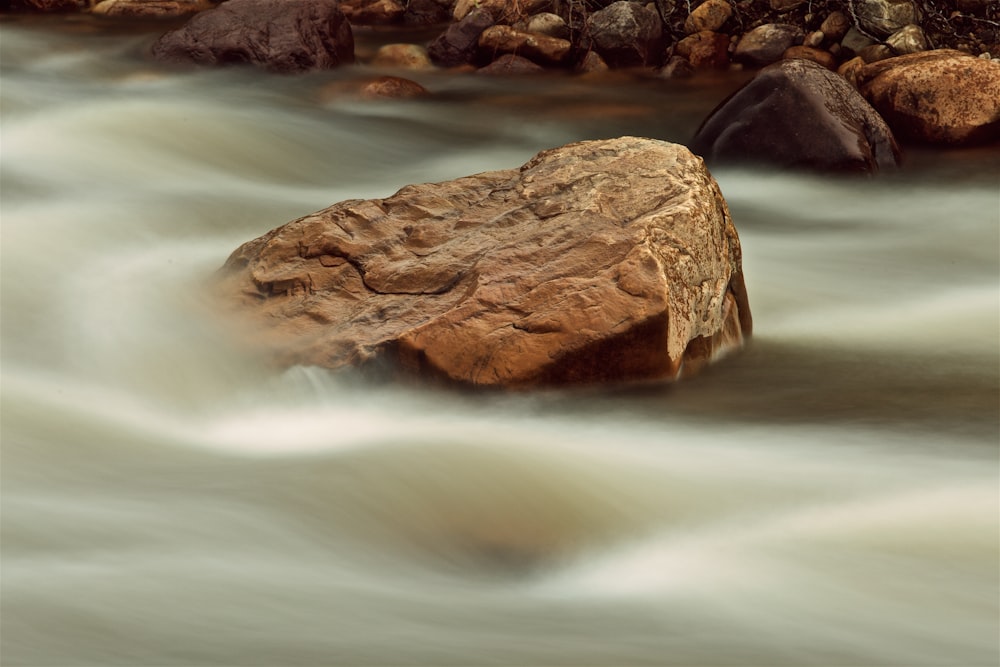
(797, 114)
(881, 18)
(710, 15)
(406, 56)
(765, 44)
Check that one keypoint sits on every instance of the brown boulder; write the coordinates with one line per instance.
(797, 113)
(392, 87)
(835, 26)
(407, 56)
(710, 15)
(600, 261)
(372, 12)
(500, 39)
(592, 63)
(549, 24)
(289, 36)
(705, 50)
(510, 65)
(851, 69)
(939, 97)
(819, 56)
(457, 45)
(627, 34)
(765, 44)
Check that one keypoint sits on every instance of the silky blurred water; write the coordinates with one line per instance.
(827, 497)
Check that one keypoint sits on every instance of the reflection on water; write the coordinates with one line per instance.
(829, 496)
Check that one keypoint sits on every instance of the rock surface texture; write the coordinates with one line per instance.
(600, 261)
(288, 36)
(797, 113)
(943, 97)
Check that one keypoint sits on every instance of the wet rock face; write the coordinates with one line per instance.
(942, 97)
(289, 36)
(601, 261)
(797, 113)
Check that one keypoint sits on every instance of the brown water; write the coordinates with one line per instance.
(828, 497)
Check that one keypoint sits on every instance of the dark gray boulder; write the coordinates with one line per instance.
(627, 34)
(796, 114)
(289, 36)
(459, 43)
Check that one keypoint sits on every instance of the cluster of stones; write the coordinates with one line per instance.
(680, 35)
(937, 96)
(841, 80)
(677, 38)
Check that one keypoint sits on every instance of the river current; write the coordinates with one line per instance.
(829, 496)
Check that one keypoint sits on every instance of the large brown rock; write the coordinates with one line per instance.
(942, 97)
(627, 34)
(500, 39)
(797, 113)
(600, 261)
(287, 36)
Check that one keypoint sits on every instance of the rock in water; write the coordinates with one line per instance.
(943, 97)
(288, 36)
(794, 114)
(600, 261)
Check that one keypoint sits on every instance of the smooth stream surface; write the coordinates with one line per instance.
(829, 496)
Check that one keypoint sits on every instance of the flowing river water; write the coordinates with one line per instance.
(829, 496)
